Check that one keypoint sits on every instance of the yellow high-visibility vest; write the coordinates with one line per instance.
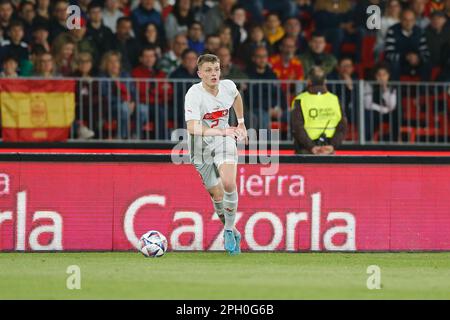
(321, 113)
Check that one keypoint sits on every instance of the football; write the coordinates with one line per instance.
(153, 244)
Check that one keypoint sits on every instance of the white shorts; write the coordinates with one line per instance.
(213, 158)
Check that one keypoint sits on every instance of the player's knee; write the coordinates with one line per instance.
(217, 198)
(217, 195)
(229, 185)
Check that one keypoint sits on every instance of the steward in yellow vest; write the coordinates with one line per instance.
(318, 121)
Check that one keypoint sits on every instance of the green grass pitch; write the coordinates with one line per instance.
(129, 275)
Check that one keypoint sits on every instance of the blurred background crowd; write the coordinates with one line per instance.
(254, 39)
(414, 36)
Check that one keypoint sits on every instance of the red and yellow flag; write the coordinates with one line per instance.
(36, 110)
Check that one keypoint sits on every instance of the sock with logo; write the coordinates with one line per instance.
(230, 202)
(218, 208)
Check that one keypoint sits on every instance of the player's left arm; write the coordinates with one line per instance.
(238, 106)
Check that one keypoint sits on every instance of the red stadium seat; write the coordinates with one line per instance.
(435, 73)
(406, 78)
(368, 56)
(110, 125)
(348, 49)
(410, 131)
(352, 133)
(359, 70)
(282, 126)
(409, 108)
(148, 127)
(425, 120)
(382, 130)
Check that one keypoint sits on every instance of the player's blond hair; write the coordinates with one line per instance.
(204, 58)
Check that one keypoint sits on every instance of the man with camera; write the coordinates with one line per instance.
(318, 121)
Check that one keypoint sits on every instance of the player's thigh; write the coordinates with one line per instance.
(209, 174)
(225, 152)
(226, 159)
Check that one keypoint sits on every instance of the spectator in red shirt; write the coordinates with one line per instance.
(287, 66)
(152, 94)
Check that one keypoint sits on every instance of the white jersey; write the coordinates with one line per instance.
(212, 111)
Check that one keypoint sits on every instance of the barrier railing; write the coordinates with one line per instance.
(150, 109)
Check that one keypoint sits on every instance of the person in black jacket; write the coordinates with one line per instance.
(58, 22)
(100, 35)
(347, 88)
(6, 16)
(237, 23)
(265, 99)
(127, 45)
(437, 36)
(15, 47)
(445, 63)
(187, 71)
(407, 50)
(27, 15)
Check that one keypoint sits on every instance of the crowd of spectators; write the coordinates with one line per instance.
(255, 39)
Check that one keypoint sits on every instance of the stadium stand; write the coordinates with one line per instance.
(121, 73)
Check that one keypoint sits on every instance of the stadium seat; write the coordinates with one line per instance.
(435, 72)
(348, 49)
(383, 130)
(109, 128)
(149, 127)
(367, 55)
(110, 125)
(424, 118)
(410, 109)
(360, 71)
(410, 131)
(282, 126)
(352, 133)
(407, 78)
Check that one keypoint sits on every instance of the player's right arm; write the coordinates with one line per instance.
(196, 128)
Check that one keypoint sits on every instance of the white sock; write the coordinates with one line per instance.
(218, 208)
(230, 202)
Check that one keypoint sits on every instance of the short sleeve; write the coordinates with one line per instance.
(192, 106)
(231, 88)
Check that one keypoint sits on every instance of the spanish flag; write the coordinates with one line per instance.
(36, 110)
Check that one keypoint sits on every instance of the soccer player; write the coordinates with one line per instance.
(212, 142)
